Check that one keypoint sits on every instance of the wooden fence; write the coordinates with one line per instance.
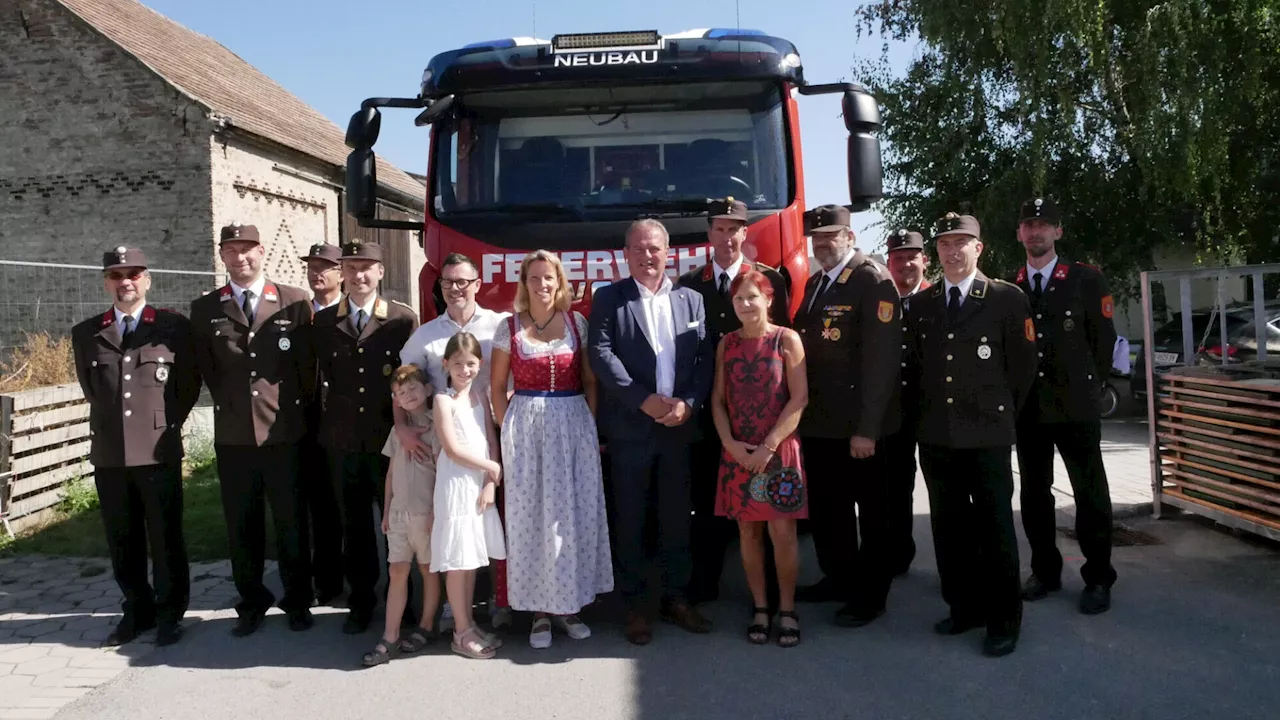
(44, 446)
(1218, 434)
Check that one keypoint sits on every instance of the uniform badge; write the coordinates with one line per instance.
(832, 334)
(162, 373)
(844, 276)
(1108, 307)
(284, 343)
(380, 309)
(884, 312)
(386, 371)
(1060, 272)
(1068, 324)
(984, 352)
(1031, 330)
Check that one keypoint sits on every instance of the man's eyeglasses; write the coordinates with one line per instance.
(457, 284)
(118, 276)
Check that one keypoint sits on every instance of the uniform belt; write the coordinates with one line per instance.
(548, 393)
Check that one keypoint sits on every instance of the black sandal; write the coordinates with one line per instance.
(417, 639)
(381, 653)
(788, 637)
(755, 631)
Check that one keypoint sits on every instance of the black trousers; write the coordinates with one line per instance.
(142, 509)
(1079, 443)
(249, 477)
(644, 472)
(323, 518)
(360, 483)
(711, 535)
(971, 502)
(852, 547)
(900, 485)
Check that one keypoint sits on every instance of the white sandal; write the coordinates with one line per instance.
(540, 636)
(573, 626)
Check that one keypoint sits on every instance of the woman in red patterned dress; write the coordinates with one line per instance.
(759, 394)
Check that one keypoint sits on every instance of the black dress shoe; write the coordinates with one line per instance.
(356, 622)
(128, 630)
(1095, 600)
(953, 625)
(825, 590)
(249, 623)
(855, 616)
(301, 620)
(1036, 589)
(999, 645)
(168, 634)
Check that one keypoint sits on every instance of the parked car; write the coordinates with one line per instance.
(1242, 344)
(1242, 338)
(1167, 348)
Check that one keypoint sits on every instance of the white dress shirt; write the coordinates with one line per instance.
(353, 309)
(661, 327)
(832, 275)
(425, 347)
(731, 271)
(964, 286)
(1046, 272)
(137, 318)
(256, 287)
(317, 307)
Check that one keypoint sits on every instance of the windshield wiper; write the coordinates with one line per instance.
(523, 208)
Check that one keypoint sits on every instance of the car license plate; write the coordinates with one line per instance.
(1166, 358)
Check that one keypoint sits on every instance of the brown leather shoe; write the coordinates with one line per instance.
(686, 617)
(638, 631)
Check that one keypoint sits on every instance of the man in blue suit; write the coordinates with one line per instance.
(650, 352)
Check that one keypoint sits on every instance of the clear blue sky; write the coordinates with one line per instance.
(335, 53)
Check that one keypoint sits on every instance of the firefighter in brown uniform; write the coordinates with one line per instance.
(358, 344)
(136, 368)
(907, 262)
(324, 522)
(710, 535)
(972, 360)
(1074, 336)
(253, 348)
(852, 338)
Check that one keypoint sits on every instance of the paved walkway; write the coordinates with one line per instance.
(55, 612)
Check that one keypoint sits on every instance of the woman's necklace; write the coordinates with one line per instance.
(540, 329)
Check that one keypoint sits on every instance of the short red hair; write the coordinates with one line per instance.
(751, 275)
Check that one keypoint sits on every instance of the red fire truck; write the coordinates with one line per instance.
(560, 145)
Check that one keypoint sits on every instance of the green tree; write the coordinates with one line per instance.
(1151, 123)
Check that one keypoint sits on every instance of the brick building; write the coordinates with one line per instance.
(122, 127)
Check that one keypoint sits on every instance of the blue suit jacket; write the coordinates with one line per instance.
(626, 367)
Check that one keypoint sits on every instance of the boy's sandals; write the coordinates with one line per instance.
(788, 637)
(758, 634)
(417, 639)
(471, 644)
(381, 653)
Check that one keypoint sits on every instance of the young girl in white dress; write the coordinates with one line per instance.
(467, 531)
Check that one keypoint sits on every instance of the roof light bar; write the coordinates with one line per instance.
(587, 42)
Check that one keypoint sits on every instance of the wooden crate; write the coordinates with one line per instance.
(44, 446)
(1218, 444)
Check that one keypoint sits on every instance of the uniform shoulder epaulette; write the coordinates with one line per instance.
(406, 306)
(1006, 283)
(764, 268)
(1087, 266)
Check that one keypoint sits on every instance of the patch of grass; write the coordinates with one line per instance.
(81, 496)
(78, 530)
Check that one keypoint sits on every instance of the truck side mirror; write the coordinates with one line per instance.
(862, 118)
(363, 129)
(362, 185)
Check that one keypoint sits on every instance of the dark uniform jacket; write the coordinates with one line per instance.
(973, 376)
(910, 401)
(853, 349)
(722, 320)
(261, 377)
(1075, 336)
(140, 391)
(357, 370)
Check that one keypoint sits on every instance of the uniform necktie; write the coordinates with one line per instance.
(247, 306)
(723, 286)
(822, 287)
(953, 304)
(1037, 289)
(127, 329)
(360, 321)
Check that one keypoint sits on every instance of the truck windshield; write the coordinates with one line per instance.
(557, 155)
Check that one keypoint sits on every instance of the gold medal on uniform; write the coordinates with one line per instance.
(1068, 324)
(162, 373)
(284, 343)
(984, 352)
(386, 370)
